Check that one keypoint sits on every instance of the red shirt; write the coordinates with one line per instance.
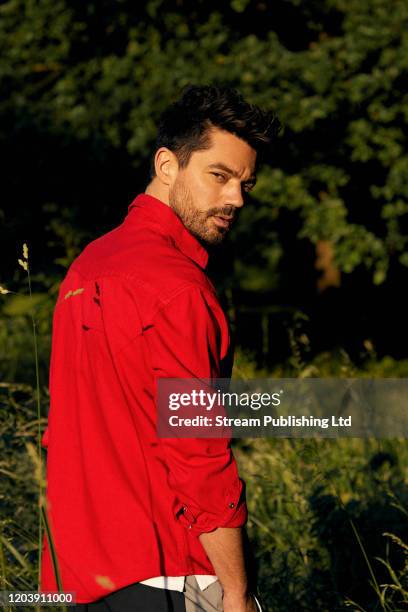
(135, 306)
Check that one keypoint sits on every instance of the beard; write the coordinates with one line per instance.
(196, 220)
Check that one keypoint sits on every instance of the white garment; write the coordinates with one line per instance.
(176, 583)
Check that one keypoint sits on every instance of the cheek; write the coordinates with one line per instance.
(212, 193)
(206, 192)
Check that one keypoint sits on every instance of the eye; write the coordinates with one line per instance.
(219, 177)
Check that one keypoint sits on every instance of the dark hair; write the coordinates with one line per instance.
(184, 125)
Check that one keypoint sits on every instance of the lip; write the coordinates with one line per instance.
(223, 221)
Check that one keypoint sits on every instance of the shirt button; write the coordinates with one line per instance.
(231, 505)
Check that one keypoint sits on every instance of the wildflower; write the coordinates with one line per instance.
(23, 264)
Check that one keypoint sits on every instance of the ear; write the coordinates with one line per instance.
(166, 165)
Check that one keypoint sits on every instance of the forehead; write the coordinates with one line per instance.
(229, 149)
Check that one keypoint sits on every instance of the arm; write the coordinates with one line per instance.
(224, 548)
(186, 341)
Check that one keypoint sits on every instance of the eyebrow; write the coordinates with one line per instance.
(221, 166)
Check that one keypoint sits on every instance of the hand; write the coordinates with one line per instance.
(235, 603)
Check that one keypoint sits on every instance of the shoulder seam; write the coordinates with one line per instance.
(180, 290)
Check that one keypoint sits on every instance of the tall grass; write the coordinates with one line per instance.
(39, 472)
(321, 510)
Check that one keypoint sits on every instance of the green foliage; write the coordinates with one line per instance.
(101, 73)
(320, 509)
(302, 497)
(16, 338)
(18, 491)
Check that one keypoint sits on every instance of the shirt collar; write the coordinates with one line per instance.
(168, 222)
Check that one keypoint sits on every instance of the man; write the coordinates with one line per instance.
(141, 522)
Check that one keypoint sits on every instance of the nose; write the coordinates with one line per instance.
(235, 196)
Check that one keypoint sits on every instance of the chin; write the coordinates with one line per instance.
(215, 240)
(212, 237)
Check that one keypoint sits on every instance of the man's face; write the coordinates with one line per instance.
(208, 194)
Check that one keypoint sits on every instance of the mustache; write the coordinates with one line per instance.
(223, 212)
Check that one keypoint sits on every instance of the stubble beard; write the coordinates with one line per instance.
(195, 220)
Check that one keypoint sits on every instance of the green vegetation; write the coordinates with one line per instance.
(321, 509)
(90, 79)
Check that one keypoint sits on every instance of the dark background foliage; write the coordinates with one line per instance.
(83, 84)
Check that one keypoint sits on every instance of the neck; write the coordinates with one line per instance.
(156, 189)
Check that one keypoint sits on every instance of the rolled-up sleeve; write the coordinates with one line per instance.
(188, 339)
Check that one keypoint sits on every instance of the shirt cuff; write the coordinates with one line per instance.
(234, 513)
